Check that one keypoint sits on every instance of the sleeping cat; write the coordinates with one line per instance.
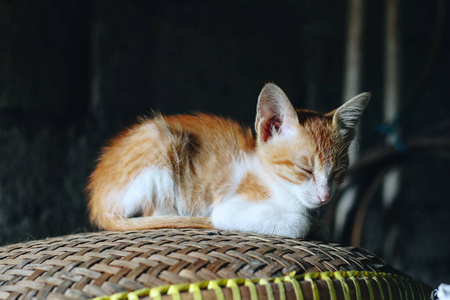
(205, 171)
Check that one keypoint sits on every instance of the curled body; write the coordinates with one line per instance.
(206, 171)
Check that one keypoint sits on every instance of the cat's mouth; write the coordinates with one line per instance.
(313, 204)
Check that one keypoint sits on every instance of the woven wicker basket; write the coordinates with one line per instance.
(196, 264)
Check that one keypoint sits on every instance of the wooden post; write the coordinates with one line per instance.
(391, 183)
(391, 94)
(352, 86)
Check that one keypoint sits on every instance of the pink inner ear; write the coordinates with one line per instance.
(271, 125)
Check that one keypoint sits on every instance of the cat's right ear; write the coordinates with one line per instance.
(346, 117)
(275, 115)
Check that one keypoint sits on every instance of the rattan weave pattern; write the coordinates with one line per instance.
(94, 264)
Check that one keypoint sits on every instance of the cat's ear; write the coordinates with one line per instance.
(346, 117)
(275, 115)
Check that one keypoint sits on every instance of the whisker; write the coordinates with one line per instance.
(344, 147)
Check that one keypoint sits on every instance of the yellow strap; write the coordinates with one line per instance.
(325, 276)
(234, 285)
(400, 290)
(157, 291)
(136, 294)
(217, 285)
(195, 289)
(311, 277)
(380, 288)
(388, 287)
(369, 287)
(268, 288)
(119, 296)
(341, 277)
(280, 284)
(297, 288)
(174, 290)
(252, 288)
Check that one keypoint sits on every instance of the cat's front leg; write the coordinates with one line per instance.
(264, 216)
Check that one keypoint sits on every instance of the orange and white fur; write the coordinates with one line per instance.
(205, 171)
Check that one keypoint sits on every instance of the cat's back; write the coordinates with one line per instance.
(211, 132)
(163, 140)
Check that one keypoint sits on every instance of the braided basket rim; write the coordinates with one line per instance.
(90, 265)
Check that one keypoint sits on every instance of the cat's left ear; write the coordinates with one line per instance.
(275, 115)
(346, 117)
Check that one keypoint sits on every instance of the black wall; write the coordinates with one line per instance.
(73, 73)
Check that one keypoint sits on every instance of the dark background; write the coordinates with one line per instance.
(74, 73)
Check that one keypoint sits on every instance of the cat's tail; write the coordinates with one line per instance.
(119, 223)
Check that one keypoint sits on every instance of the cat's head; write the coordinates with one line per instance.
(305, 151)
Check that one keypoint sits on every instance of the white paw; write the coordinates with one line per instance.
(259, 218)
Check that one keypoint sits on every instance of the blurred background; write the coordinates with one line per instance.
(74, 73)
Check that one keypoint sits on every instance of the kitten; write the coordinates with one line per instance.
(205, 171)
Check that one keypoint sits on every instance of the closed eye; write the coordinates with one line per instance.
(305, 169)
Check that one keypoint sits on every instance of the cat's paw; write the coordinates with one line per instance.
(262, 219)
(291, 225)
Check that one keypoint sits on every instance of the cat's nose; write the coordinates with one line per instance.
(324, 198)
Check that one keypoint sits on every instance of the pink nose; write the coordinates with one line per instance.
(324, 198)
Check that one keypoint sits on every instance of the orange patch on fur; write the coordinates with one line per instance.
(301, 176)
(284, 162)
(252, 189)
(295, 177)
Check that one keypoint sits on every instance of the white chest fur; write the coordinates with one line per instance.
(280, 214)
